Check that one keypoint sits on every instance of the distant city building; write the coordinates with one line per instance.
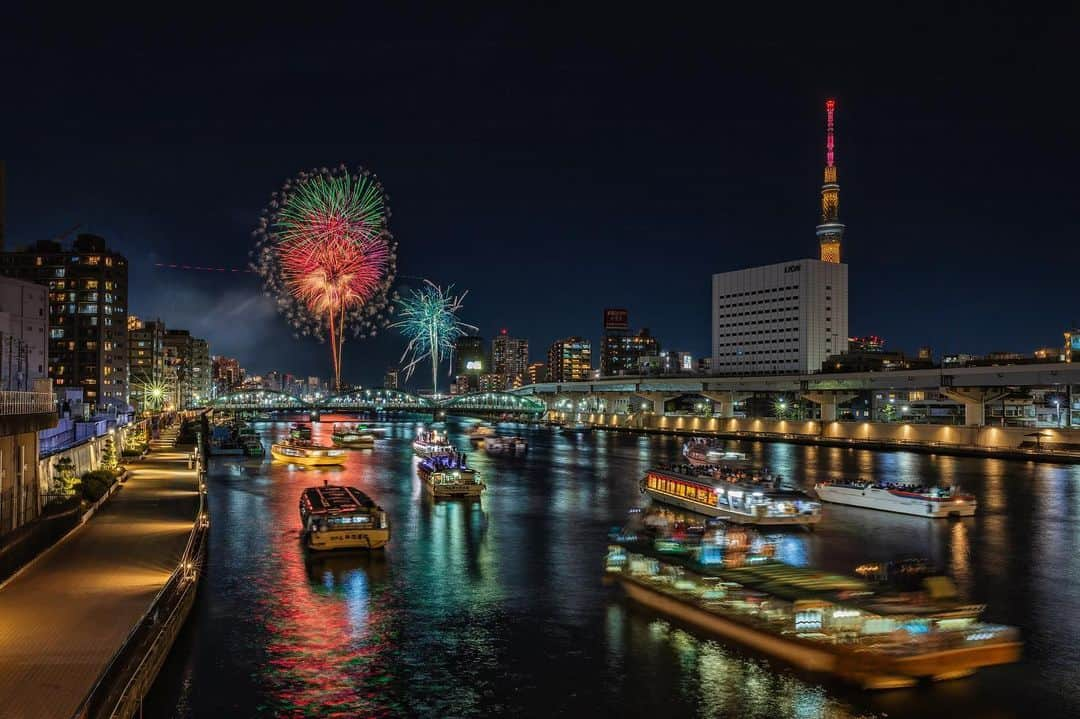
(926, 353)
(537, 372)
(869, 343)
(87, 313)
(470, 361)
(620, 352)
(272, 380)
(784, 318)
(201, 373)
(492, 382)
(24, 344)
(509, 357)
(704, 365)
(390, 381)
(227, 374)
(1072, 346)
(570, 360)
(146, 362)
(179, 351)
(676, 362)
(460, 385)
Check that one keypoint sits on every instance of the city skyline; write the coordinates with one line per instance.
(923, 181)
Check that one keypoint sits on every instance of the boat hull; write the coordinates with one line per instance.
(354, 442)
(869, 672)
(347, 539)
(454, 490)
(883, 500)
(792, 520)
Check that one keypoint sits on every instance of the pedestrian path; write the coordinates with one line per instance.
(63, 618)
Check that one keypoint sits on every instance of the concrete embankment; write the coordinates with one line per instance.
(1042, 445)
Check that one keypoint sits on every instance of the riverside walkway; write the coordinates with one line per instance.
(65, 616)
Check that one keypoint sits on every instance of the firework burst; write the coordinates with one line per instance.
(326, 256)
(428, 318)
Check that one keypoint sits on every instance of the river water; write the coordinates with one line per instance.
(496, 608)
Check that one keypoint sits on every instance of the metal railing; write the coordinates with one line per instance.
(26, 402)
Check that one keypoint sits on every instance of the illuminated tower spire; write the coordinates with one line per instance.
(830, 232)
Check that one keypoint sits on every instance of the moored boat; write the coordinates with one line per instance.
(352, 436)
(734, 501)
(339, 517)
(300, 431)
(701, 453)
(934, 502)
(297, 451)
(821, 622)
(505, 446)
(429, 443)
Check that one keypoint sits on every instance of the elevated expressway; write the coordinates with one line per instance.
(973, 387)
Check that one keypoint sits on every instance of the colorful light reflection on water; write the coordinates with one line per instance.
(496, 608)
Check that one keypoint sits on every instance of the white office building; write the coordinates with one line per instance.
(783, 318)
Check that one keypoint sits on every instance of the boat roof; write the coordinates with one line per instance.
(336, 499)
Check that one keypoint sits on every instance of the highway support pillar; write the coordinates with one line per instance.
(828, 400)
(974, 400)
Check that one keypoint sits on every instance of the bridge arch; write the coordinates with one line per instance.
(377, 399)
(494, 402)
(257, 399)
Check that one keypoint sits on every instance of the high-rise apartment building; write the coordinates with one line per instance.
(146, 363)
(570, 360)
(537, 372)
(509, 356)
(88, 342)
(390, 381)
(622, 354)
(202, 380)
(470, 361)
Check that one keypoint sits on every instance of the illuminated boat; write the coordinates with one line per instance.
(300, 431)
(449, 476)
(737, 502)
(819, 622)
(506, 446)
(478, 432)
(934, 502)
(352, 436)
(338, 517)
(306, 453)
(429, 443)
(700, 453)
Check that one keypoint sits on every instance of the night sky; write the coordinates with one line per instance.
(556, 162)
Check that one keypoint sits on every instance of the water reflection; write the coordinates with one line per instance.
(496, 607)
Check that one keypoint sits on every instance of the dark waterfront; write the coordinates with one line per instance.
(497, 608)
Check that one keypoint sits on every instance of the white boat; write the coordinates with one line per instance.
(730, 501)
(700, 453)
(506, 446)
(934, 502)
(429, 443)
